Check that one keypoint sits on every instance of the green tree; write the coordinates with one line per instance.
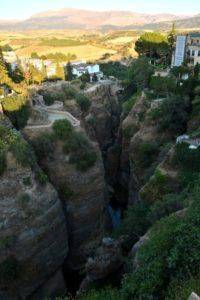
(17, 109)
(94, 78)
(36, 75)
(153, 45)
(162, 85)
(4, 74)
(140, 72)
(85, 77)
(34, 55)
(62, 129)
(17, 74)
(172, 36)
(172, 115)
(69, 75)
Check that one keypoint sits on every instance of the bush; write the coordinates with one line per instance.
(51, 96)
(84, 160)
(82, 85)
(76, 142)
(80, 150)
(65, 191)
(27, 181)
(106, 294)
(128, 105)
(146, 154)
(83, 102)
(115, 69)
(22, 152)
(129, 131)
(62, 129)
(182, 289)
(70, 92)
(2, 162)
(43, 145)
(156, 188)
(17, 109)
(134, 224)
(187, 159)
(164, 257)
(173, 115)
(169, 204)
(41, 177)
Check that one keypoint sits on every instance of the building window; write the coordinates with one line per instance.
(193, 53)
(199, 53)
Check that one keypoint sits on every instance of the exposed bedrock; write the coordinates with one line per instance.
(33, 232)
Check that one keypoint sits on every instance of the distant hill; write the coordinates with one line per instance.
(187, 23)
(69, 18)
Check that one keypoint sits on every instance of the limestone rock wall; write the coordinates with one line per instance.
(33, 233)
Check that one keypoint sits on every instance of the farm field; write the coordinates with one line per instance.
(85, 52)
(84, 45)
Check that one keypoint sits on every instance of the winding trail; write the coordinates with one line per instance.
(54, 115)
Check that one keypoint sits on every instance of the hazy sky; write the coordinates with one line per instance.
(21, 9)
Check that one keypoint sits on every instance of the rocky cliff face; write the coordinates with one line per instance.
(33, 233)
(102, 124)
(83, 196)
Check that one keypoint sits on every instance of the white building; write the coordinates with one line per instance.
(11, 58)
(179, 55)
(80, 69)
(187, 47)
(193, 48)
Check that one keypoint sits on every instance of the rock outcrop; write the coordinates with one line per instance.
(33, 233)
(102, 124)
(107, 260)
(83, 196)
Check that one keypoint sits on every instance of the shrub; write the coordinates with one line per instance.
(43, 145)
(17, 109)
(187, 159)
(129, 131)
(83, 102)
(84, 160)
(134, 224)
(48, 97)
(80, 150)
(169, 204)
(115, 69)
(70, 92)
(173, 115)
(128, 105)
(106, 294)
(41, 177)
(182, 289)
(27, 181)
(22, 152)
(2, 162)
(164, 257)
(76, 142)
(62, 129)
(82, 85)
(146, 154)
(65, 191)
(156, 187)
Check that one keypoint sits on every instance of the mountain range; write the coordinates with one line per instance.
(69, 18)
